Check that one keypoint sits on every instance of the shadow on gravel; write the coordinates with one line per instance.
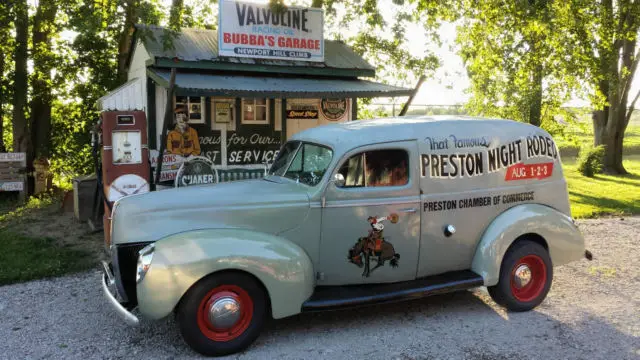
(462, 325)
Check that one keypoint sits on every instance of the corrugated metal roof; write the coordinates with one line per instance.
(195, 45)
(237, 85)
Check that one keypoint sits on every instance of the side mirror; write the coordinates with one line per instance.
(338, 179)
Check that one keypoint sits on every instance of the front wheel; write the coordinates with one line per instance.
(525, 277)
(222, 314)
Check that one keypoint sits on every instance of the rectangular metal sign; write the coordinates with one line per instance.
(252, 30)
(11, 167)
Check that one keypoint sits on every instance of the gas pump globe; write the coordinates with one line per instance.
(125, 158)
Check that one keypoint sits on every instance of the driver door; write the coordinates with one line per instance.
(371, 223)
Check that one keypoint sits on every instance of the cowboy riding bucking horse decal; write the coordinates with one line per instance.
(374, 247)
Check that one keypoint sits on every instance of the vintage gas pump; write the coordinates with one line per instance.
(125, 159)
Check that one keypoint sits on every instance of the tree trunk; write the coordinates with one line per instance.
(2, 85)
(43, 28)
(21, 141)
(535, 107)
(5, 28)
(124, 44)
(20, 127)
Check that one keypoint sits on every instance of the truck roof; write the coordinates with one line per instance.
(348, 135)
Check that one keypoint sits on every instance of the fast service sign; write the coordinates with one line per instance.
(253, 30)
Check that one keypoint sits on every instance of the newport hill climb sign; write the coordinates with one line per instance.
(253, 30)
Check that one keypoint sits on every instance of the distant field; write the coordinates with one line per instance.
(582, 133)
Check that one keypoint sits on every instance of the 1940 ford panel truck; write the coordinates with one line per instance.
(349, 214)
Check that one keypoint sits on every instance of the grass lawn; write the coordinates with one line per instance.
(26, 258)
(38, 240)
(604, 194)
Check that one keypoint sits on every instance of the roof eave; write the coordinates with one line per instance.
(271, 69)
(276, 94)
(284, 94)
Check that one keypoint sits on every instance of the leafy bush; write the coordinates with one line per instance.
(590, 160)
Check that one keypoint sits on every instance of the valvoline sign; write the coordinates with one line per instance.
(253, 30)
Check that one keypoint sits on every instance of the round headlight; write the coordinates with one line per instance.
(145, 255)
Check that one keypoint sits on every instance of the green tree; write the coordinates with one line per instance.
(515, 54)
(6, 44)
(607, 55)
(93, 64)
(382, 42)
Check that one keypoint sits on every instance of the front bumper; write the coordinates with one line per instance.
(110, 292)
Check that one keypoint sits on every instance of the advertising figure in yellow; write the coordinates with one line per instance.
(183, 139)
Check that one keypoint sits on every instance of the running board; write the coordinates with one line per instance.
(341, 297)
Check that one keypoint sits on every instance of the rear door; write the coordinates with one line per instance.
(371, 224)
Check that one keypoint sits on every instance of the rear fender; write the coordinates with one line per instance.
(564, 240)
(180, 260)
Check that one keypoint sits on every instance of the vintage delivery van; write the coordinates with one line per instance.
(349, 214)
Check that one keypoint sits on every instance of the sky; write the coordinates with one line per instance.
(448, 85)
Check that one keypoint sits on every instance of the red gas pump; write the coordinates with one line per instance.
(125, 159)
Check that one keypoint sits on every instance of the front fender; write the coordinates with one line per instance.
(180, 260)
(563, 238)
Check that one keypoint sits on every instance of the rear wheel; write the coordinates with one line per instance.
(526, 274)
(222, 314)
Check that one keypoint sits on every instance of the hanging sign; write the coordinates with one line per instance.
(333, 109)
(296, 111)
(253, 30)
(222, 111)
(302, 114)
(195, 171)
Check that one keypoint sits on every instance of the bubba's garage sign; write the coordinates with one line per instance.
(253, 30)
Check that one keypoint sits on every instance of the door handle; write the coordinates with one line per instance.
(408, 210)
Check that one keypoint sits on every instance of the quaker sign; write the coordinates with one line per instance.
(253, 30)
(477, 156)
(252, 147)
(196, 171)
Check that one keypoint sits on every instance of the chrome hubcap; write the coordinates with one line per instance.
(522, 276)
(224, 313)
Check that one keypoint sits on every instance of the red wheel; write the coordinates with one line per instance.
(222, 314)
(525, 277)
(528, 278)
(225, 313)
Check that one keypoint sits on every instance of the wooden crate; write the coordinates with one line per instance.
(12, 171)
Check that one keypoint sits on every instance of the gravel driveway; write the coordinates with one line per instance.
(592, 312)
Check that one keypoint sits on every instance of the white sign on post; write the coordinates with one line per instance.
(10, 165)
(253, 30)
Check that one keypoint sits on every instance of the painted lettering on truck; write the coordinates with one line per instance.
(491, 158)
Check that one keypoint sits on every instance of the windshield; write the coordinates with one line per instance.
(302, 162)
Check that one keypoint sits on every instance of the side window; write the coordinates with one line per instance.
(376, 168)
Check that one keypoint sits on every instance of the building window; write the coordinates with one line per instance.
(376, 168)
(255, 111)
(194, 106)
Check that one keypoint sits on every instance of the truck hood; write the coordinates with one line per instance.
(262, 205)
